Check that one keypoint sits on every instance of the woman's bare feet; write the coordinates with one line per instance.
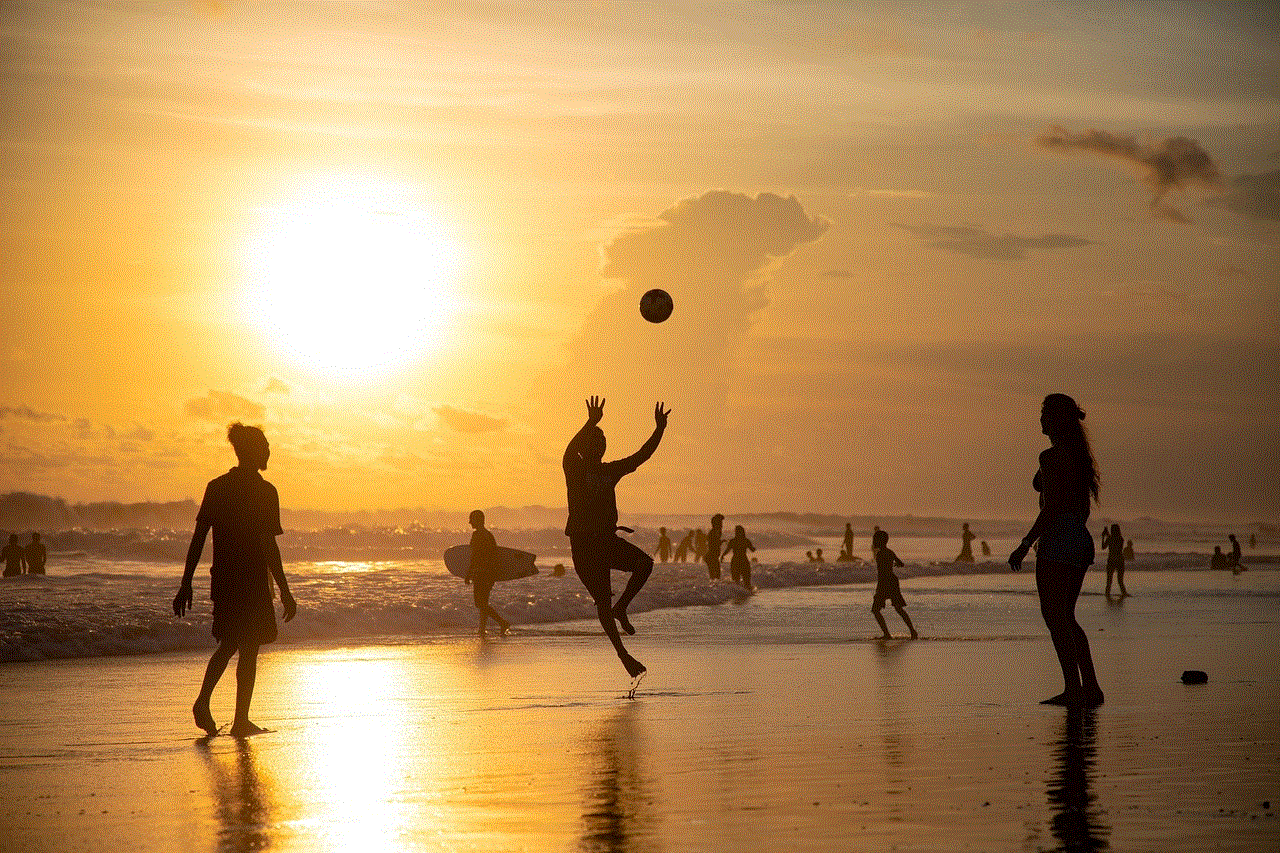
(204, 719)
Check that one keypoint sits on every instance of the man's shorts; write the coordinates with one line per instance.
(595, 555)
(888, 592)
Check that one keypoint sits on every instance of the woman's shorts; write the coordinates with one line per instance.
(1067, 541)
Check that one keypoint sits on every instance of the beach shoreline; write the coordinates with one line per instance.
(760, 726)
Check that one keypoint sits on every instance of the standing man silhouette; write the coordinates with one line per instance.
(592, 527)
(243, 510)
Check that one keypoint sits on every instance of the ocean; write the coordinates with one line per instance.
(109, 593)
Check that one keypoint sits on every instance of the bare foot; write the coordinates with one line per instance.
(246, 729)
(505, 629)
(634, 667)
(623, 623)
(886, 636)
(1092, 698)
(204, 719)
(1064, 699)
(914, 635)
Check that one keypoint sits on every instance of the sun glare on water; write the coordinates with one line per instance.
(351, 274)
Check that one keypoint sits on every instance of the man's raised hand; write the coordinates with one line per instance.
(660, 416)
(595, 409)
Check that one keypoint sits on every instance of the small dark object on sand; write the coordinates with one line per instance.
(1194, 676)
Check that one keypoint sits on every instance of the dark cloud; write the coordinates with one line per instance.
(223, 406)
(713, 253)
(471, 422)
(1252, 195)
(27, 414)
(1173, 164)
(977, 243)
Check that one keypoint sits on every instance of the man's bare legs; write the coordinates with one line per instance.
(246, 676)
(639, 576)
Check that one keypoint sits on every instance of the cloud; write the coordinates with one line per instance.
(863, 192)
(1252, 195)
(1173, 164)
(713, 253)
(275, 386)
(223, 406)
(978, 243)
(27, 414)
(469, 422)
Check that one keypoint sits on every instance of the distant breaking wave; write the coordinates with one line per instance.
(115, 608)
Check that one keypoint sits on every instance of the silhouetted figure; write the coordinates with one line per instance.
(739, 565)
(592, 527)
(243, 510)
(699, 545)
(35, 555)
(1219, 559)
(887, 586)
(986, 549)
(848, 539)
(817, 556)
(1066, 479)
(845, 557)
(15, 558)
(715, 536)
(483, 572)
(557, 571)
(1128, 550)
(808, 556)
(1253, 540)
(683, 548)
(966, 546)
(663, 552)
(1233, 561)
(1075, 819)
(1114, 543)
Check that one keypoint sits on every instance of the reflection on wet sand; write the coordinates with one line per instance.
(616, 814)
(1075, 821)
(245, 812)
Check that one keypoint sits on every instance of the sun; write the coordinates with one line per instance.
(350, 274)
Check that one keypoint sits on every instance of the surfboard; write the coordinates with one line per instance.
(512, 564)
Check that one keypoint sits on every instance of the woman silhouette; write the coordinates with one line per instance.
(1066, 480)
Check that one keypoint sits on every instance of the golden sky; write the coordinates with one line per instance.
(410, 239)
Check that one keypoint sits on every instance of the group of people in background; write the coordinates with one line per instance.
(1230, 561)
(711, 549)
(19, 560)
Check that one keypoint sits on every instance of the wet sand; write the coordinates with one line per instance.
(803, 737)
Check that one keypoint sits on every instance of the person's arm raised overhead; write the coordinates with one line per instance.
(642, 455)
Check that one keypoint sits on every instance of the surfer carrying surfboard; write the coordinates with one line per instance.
(592, 527)
(484, 572)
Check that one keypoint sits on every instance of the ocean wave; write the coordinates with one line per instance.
(113, 610)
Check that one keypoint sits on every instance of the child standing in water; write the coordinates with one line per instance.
(482, 573)
(887, 587)
(739, 565)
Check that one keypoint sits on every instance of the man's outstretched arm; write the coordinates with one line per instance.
(642, 455)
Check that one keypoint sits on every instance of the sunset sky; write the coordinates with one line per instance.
(410, 239)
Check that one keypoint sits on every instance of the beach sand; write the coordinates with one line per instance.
(775, 724)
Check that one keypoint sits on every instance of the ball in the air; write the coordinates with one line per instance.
(655, 305)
